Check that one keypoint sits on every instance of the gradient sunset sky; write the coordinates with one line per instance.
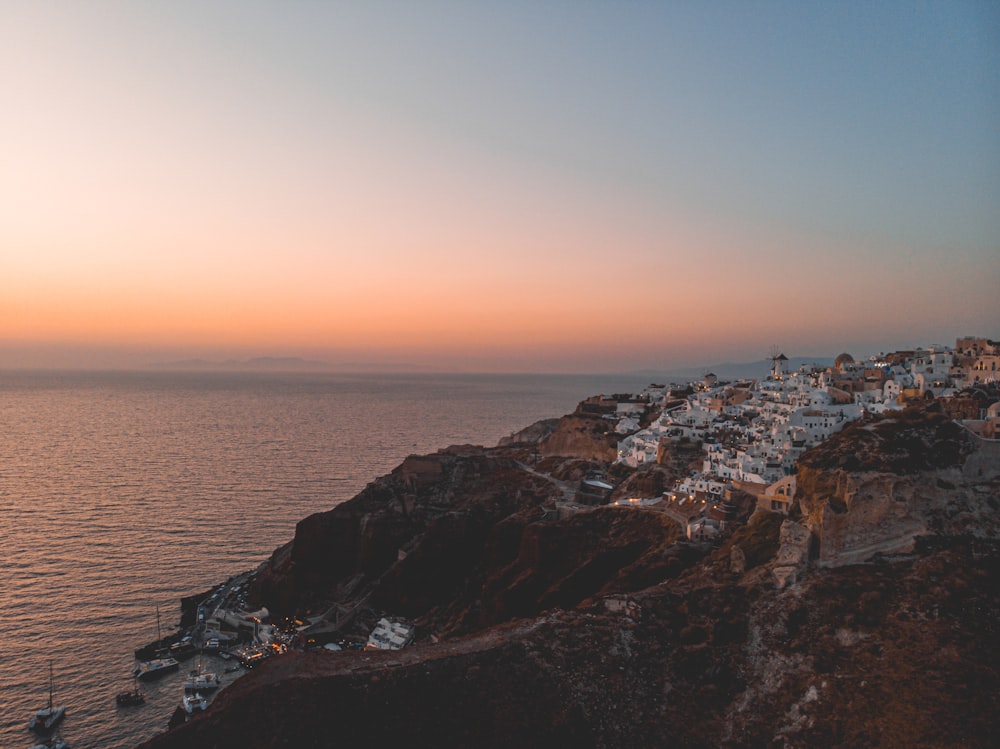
(495, 186)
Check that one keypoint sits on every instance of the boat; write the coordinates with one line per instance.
(159, 665)
(185, 648)
(46, 718)
(134, 696)
(131, 697)
(155, 667)
(201, 681)
(193, 703)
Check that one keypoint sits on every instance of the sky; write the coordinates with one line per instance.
(547, 186)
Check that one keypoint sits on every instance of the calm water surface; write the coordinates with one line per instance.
(122, 492)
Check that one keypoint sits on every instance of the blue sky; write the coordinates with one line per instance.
(438, 181)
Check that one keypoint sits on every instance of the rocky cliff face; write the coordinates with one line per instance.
(889, 655)
(463, 539)
(878, 486)
(439, 508)
(584, 436)
(603, 629)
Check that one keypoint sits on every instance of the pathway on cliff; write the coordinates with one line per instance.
(567, 489)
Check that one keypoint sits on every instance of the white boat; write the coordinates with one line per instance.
(156, 666)
(46, 718)
(201, 681)
(193, 703)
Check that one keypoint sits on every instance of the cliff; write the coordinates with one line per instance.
(470, 537)
(582, 435)
(440, 508)
(879, 485)
(891, 655)
(604, 628)
(586, 434)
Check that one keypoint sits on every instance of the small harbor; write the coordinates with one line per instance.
(216, 640)
(219, 639)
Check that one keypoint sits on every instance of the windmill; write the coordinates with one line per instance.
(778, 360)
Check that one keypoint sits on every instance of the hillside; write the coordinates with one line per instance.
(852, 623)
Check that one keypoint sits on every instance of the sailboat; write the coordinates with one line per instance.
(156, 666)
(46, 718)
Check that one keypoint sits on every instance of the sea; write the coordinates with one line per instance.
(121, 492)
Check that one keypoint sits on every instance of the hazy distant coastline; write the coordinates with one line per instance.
(285, 364)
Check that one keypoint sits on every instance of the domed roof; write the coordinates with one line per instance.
(843, 359)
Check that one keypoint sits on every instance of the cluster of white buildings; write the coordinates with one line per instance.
(390, 634)
(753, 432)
